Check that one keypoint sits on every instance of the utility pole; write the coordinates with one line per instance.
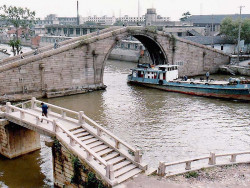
(77, 19)
(212, 31)
(238, 57)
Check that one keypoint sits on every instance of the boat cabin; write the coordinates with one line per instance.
(158, 73)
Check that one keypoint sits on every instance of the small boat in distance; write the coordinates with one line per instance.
(165, 77)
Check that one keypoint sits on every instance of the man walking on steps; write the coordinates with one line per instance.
(44, 111)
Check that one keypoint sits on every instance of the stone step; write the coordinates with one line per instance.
(124, 170)
(120, 165)
(105, 152)
(89, 141)
(82, 134)
(78, 131)
(98, 143)
(86, 138)
(110, 156)
(99, 148)
(76, 128)
(128, 175)
(116, 160)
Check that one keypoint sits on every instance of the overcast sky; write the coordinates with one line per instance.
(168, 8)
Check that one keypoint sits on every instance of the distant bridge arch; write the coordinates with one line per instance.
(78, 64)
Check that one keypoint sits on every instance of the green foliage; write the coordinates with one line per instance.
(172, 41)
(230, 29)
(118, 23)
(15, 46)
(77, 166)
(57, 149)
(18, 17)
(191, 174)
(152, 29)
(185, 16)
(92, 181)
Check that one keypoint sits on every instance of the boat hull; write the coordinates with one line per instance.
(226, 92)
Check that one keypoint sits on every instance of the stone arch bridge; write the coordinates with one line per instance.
(77, 66)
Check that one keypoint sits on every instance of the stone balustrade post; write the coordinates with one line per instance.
(161, 169)
(188, 165)
(117, 144)
(71, 141)
(37, 120)
(99, 131)
(212, 159)
(80, 117)
(89, 156)
(63, 113)
(138, 156)
(233, 158)
(54, 126)
(22, 115)
(33, 103)
(8, 107)
(110, 171)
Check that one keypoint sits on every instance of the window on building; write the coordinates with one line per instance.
(78, 31)
(71, 31)
(221, 47)
(65, 31)
(179, 34)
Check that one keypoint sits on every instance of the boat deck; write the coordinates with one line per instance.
(214, 82)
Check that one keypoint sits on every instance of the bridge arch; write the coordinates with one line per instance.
(77, 66)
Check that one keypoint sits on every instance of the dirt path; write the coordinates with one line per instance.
(236, 176)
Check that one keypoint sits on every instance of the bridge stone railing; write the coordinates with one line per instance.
(51, 47)
(211, 162)
(79, 118)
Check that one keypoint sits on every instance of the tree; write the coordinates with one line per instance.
(230, 29)
(20, 18)
(118, 23)
(185, 16)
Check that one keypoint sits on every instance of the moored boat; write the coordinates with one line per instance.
(165, 77)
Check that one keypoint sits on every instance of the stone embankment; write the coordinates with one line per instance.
(242, 69)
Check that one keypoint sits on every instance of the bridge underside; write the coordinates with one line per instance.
(157, 54)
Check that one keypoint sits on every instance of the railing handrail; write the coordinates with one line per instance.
(27, 112)
(58, 107)
(205, 157)
(93, 123)
(185, 160)
(212, 160)
(82, 145)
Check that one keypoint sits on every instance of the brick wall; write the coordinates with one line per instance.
(64, 171)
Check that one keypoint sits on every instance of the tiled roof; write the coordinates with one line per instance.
(206, 40)
(214, 18)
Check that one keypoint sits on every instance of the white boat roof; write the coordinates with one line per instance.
(166, 66)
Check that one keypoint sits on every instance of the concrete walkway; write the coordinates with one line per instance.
(229, 176)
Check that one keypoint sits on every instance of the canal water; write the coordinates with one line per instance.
(166, 126)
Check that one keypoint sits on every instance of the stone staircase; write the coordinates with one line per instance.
(123, 168)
